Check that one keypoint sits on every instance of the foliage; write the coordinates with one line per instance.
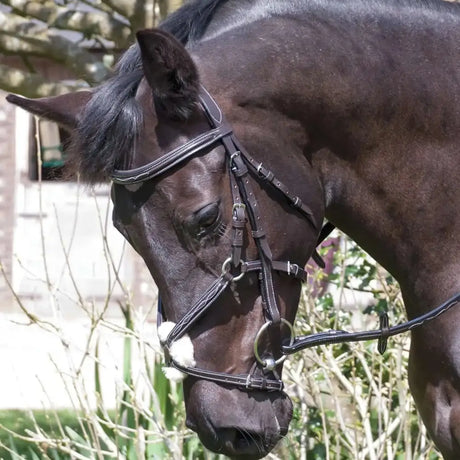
(350, 402)
(21, 421)
(82, 37)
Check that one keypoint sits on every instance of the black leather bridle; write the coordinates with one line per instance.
(246, 208)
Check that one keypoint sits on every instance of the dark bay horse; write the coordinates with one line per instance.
(355, 106)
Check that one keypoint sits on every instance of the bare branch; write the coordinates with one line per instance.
(90, 23)
(140, 14)
(98, 5)
(21, 37)
(31, 85)
(123, 7)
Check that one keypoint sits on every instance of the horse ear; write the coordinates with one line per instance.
(63, 110)
(170, 72)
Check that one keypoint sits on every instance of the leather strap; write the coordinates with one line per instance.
(199, 308)
(382, 334)
(238, 221)
(240, 172)
(172, 159)
(244, 381)
(269, 177)
(280, 266)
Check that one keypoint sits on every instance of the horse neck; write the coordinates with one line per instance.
(376, 105)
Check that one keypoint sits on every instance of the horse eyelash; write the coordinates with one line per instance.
(218, 232)
(221, 229)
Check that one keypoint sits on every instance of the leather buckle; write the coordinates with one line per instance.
(264, 173)
(292, 269)
(383, 339)
(238, 211)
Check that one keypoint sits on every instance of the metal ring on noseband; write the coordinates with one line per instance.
(226, 269)
(270, 364)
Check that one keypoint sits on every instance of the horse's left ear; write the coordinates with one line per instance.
(63, 110)
(170, 72)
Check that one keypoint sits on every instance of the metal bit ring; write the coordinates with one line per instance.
(226, 269)
(264, 363)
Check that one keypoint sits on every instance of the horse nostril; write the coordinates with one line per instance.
(240, 442)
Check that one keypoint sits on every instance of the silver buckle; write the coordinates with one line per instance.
(237, 206)
(233, 155)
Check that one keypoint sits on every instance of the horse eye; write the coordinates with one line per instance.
(208, 215)
(205, 221)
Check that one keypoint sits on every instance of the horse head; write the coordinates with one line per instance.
(225, 248)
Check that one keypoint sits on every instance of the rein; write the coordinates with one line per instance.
(382, 334)
(245, 208)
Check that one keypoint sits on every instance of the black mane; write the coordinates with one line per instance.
(111, 122)
(190, 22)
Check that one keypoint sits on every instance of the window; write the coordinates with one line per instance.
(53, 141)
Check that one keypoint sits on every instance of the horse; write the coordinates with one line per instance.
(230, 132)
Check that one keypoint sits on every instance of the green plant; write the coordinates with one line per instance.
(351, 402)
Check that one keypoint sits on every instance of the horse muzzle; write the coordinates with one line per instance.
(239, 424)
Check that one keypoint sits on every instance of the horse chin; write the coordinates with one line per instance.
(240, 424)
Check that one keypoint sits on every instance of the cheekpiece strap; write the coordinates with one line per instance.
(199, 308)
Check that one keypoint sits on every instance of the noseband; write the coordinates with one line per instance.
(246, 208)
